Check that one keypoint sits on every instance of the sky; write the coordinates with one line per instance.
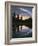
(26, 11)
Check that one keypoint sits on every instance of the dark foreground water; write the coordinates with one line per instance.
(23, 34)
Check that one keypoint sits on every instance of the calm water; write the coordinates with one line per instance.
(24, 31)
(23, 28)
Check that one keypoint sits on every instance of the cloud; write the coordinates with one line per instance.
(25, 10)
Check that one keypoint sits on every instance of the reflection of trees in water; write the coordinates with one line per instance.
(19, 22)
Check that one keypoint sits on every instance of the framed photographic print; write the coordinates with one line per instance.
(20, 22)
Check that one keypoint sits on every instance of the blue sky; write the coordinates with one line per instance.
(21, 10)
